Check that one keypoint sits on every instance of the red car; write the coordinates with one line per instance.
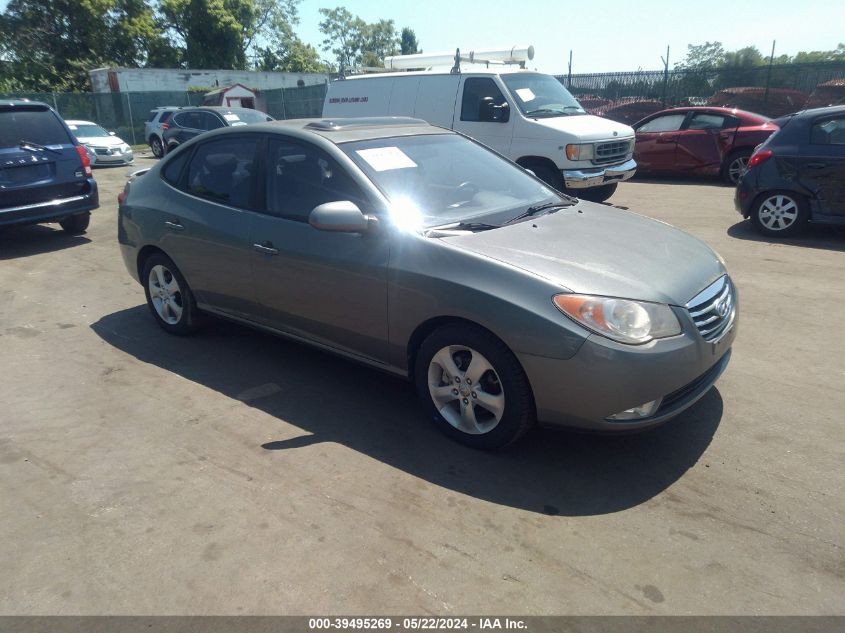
(699, 141)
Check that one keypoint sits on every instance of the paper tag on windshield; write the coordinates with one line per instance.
(231, 117)
(386, 158)
(526, 94)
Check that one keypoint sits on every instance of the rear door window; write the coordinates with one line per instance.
(36, 125)
(222, 170)
(828, 132)
(706, 121)
(210, 121)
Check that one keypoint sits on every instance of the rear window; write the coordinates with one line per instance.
(166, 116)
(36, 125)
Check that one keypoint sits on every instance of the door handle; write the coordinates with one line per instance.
(667, 139)
(266, 248)
(175, 225)
(816, 165)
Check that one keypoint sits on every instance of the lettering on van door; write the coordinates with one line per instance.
(349, 99)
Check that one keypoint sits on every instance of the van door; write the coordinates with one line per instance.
(435, 99)
(484, 113)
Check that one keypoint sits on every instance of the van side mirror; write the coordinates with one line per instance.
(342, 216)
(488, 111)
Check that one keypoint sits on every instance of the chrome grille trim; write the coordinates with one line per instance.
(713, 310)
(611, 151)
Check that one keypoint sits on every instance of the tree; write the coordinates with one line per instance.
(702, 56)
(354, 42)
(290, 54)
(226, 33)
(408, 42)
(52, 44)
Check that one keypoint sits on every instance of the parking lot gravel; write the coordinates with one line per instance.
(237, 473)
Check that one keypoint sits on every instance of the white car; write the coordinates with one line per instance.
(104, 148)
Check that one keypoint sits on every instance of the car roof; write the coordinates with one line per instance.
(10, 103)
(344, 130)
(838, 109)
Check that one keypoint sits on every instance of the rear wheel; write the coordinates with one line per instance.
(779, 213)
(76, 224)
(156, 146)
(734, 166)
(168, 296)
(474, 387)
(597, 194)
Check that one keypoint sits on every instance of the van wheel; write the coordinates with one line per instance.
(474, 387)
(548, 175)
(596, 194)
(168, 296)
(76, 224)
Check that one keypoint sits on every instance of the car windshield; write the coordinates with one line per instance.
(539, 95)
(440, 179)
(86, 130)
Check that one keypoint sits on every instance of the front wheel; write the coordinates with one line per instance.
(168, 296)
(779, 214)
(596, 194)
(76, 224)
(474, 387)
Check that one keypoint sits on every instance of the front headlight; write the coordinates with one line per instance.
(579, 152)
(623, 320)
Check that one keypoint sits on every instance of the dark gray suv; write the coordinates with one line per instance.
(418, 251)
(186, 123)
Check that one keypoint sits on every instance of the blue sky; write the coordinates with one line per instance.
(605, 35)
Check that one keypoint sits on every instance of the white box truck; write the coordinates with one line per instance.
(526, 116)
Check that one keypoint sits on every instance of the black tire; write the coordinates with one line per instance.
(596, 194)
(156, 146)
(518, 415)
(550, 176)
(734, 166)
(188, 320)
(764, 213)
(76, 224)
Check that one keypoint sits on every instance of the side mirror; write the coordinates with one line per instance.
(342, 217)
(111, 133)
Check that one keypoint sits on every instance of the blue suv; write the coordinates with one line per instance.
(45, 174)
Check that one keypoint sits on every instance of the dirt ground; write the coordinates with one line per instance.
(237, 473)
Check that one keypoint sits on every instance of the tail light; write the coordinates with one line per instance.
(165, 126)
(760, 157)
(121, 197)
(86, 162)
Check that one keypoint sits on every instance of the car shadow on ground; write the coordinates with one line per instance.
(643, 179)
(550, 471)
(35, 239)
(828, 237)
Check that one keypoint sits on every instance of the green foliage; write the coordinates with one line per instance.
(354, 42)
(290, 54)
(408, 44)
(701, 56)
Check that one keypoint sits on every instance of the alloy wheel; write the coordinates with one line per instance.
(778, 212)
(165, 294)
(156, 146)
(736, 168)
(466, 389)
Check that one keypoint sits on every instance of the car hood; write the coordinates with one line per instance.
(602, 250)
(586, 126)
(101, 141)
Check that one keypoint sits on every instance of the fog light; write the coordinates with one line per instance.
(635, 413)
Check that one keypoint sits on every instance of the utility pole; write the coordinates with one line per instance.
(665, 74)
(769, 74)
(569, 76)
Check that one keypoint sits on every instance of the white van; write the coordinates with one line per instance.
(526, 116)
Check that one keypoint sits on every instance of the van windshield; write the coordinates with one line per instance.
(437, 179)
(539, 95)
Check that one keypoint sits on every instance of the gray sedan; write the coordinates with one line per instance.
(418, 251)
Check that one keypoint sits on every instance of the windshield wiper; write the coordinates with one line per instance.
(462, 226)
(30, 145)
(530, 211)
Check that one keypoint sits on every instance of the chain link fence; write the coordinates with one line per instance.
(126, 112)
(770, 90)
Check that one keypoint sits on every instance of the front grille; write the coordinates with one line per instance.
(610, 152)
(714, 308)
(102, 151)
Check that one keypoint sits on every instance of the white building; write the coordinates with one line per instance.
(180, 79)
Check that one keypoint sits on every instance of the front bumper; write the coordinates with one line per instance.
(114, 159)
(605, 378)
(51, 210)
(584, 178)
